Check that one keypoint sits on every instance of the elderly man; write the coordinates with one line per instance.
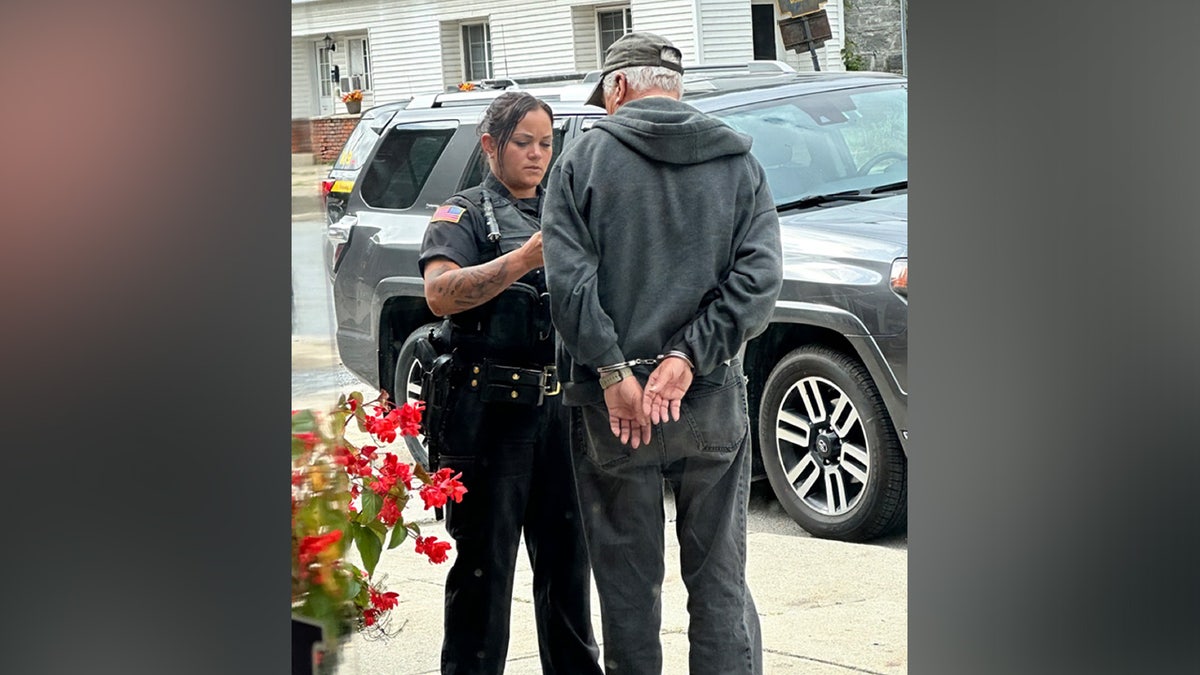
(661, 248)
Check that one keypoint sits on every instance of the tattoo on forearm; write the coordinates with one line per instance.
(469, 287)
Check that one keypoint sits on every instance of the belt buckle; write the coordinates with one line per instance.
(547, 373)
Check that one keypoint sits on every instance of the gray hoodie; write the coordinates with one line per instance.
(659, 233)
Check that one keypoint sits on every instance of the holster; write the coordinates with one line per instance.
(436, 359)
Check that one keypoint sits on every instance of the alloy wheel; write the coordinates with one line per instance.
(822, 446)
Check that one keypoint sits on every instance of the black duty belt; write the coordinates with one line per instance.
(497, 383)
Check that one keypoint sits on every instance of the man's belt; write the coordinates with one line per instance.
(497, 383)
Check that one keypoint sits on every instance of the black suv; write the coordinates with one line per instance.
(827, 380)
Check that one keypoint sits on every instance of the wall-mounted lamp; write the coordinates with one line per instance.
(329, 45)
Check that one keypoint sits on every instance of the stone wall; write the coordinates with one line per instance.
(873, 33)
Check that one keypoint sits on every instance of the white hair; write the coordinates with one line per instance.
(642, 78)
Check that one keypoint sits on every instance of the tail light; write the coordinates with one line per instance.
(900, 277)
(326, 186)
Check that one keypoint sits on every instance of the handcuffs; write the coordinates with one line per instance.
(614, 373)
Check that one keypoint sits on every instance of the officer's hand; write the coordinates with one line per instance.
(531, 251)
(665, 389)
(625, 416)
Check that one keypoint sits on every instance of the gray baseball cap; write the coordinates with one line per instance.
(636, 49)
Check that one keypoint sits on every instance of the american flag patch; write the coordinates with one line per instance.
(448, 213)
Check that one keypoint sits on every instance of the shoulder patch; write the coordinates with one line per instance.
(448, 213)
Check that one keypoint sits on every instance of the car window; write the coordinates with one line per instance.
(358, 146)
(880, 125)
(401, 166)
(476, 165)
(818, 144)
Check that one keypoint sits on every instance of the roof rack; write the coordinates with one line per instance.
(517, 82)
(744, 68)
(699, 70)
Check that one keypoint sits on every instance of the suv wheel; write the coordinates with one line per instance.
(407, 383)
(829, 448)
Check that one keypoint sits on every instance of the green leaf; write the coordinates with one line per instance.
(369, 547)
(320, 606)
(399, 534)
(351, 533)
(353, 587)
(371, 503)
(379, 529)
(304, 421)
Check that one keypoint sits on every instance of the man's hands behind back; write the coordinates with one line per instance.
(625, 416)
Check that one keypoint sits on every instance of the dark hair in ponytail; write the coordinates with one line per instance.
(505, 113)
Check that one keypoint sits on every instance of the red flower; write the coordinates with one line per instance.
(396, 472)
(353, 405)
(383, 428)
(384, 601)
(368, 451)
(310, 546)
(433, 497)
(370, 615)
(383, 484)
(410, 418)
(297, 478)
(404, 475)
(390, 513)
(451, 486)
(434, 549)
(308, 438)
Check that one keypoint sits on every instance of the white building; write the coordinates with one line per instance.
(394, 48)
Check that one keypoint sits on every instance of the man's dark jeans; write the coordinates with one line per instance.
(705, 457)
(516, 464)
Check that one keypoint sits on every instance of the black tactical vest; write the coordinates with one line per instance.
(515, 325)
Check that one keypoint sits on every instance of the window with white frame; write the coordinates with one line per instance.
(611, 24)
(360, 64)
(477, 51)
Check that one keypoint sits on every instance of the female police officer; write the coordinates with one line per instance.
(502, 425)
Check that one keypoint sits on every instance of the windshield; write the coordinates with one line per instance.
(831, 142)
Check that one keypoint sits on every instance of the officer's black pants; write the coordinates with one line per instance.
(516, 463)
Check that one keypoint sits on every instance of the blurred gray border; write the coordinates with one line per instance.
(1054, 330)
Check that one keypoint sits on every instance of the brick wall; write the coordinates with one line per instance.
(329, 134)
(322, 136)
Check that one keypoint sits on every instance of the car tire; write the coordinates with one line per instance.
(823, 430)
(406, 382)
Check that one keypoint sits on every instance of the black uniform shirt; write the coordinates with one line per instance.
(458, 231)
